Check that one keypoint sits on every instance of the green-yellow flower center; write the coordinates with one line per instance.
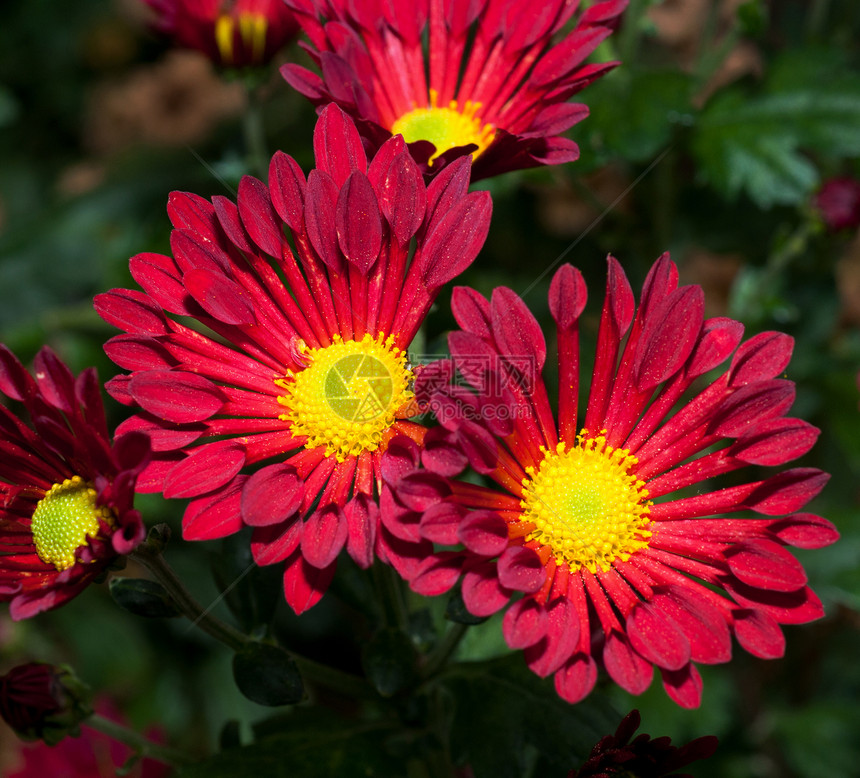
(63, 520)
(348, 396)
(586, 504)
(445, 127)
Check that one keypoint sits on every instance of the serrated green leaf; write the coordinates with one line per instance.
(758, 144)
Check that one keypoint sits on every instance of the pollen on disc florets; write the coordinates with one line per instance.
(63, 520)
(348, 396)
(586, 505)
(446, 127)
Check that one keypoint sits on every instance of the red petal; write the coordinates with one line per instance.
(208, 468)
(775, 442)
(471, 311)
(567, 296)
(629, 670)
(359, 224)
(453, 242)
(684, 686)
(516, 330)
(131, 312)
(766, 565)
(759, 634)
(656, 637)
(272, 495)
(703, 624)
(719, 338)
(337, 145)
(521, 569)
(399, 186)
(799, 607)
(320, 218)
(437, 574)
(214, 516)
(287, 189)
(324, 535)
(761, 358)
(525, 623)
(483, 595)
(439, 523)
(484, 533)
(419, 491)
(304, 585)
(228, 217)
(220, 297)
(576, 679)
(805, 530)
(15, 382)
(160, 278)
(561, 641)
(362, 517)
(176, 396)
(787, 491)
(259, 217)
(276, 542)
(749, 406)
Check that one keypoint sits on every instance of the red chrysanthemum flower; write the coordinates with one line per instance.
(494, 79)
(613, 534)
(642, 757)
(233, 33)
(838, 203)
(300, 360)
(65, 492)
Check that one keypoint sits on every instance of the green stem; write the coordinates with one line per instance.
(255, 136)
(443, 650)
(136, 741)
(344, 683)
(149, 555)
(391, 596)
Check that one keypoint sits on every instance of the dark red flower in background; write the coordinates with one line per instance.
(297, 355)
(838, 202)
(618, 755)
(233, 33)
(608, 543)
(66, 492)
(490, 77)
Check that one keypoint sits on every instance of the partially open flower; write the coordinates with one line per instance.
(490, 78)
(838, 202)
(610, 544)
(233, 33)
(268, 355)
(66, 492)
(43, 702)
(641, 757)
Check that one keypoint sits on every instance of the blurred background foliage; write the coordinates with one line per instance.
(710, 142)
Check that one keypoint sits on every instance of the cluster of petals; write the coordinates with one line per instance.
(702, 576)
(357, 248)
(67, 437)
(235, 33)
(515, 62)
(622, 754)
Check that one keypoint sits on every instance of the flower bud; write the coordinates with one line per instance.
(43, 702)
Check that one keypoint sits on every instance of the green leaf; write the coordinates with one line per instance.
(758, 144)
(310, 743)
(143, 597)
(504, 712)
(389, 661)
(634, 116)
(267, 675)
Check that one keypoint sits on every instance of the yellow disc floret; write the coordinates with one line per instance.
(586, 505)
(348, 395)
(445, 128)
(252, 31)
(63, 520)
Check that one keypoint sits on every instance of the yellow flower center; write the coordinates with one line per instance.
(63, 520)
(348, 396)
(445, 128)
(252, 31)
(586, 505)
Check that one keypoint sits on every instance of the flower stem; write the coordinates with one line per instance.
(143, 746)
(443, 650)
(344, 683)
(150, 556)
(255, 136)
